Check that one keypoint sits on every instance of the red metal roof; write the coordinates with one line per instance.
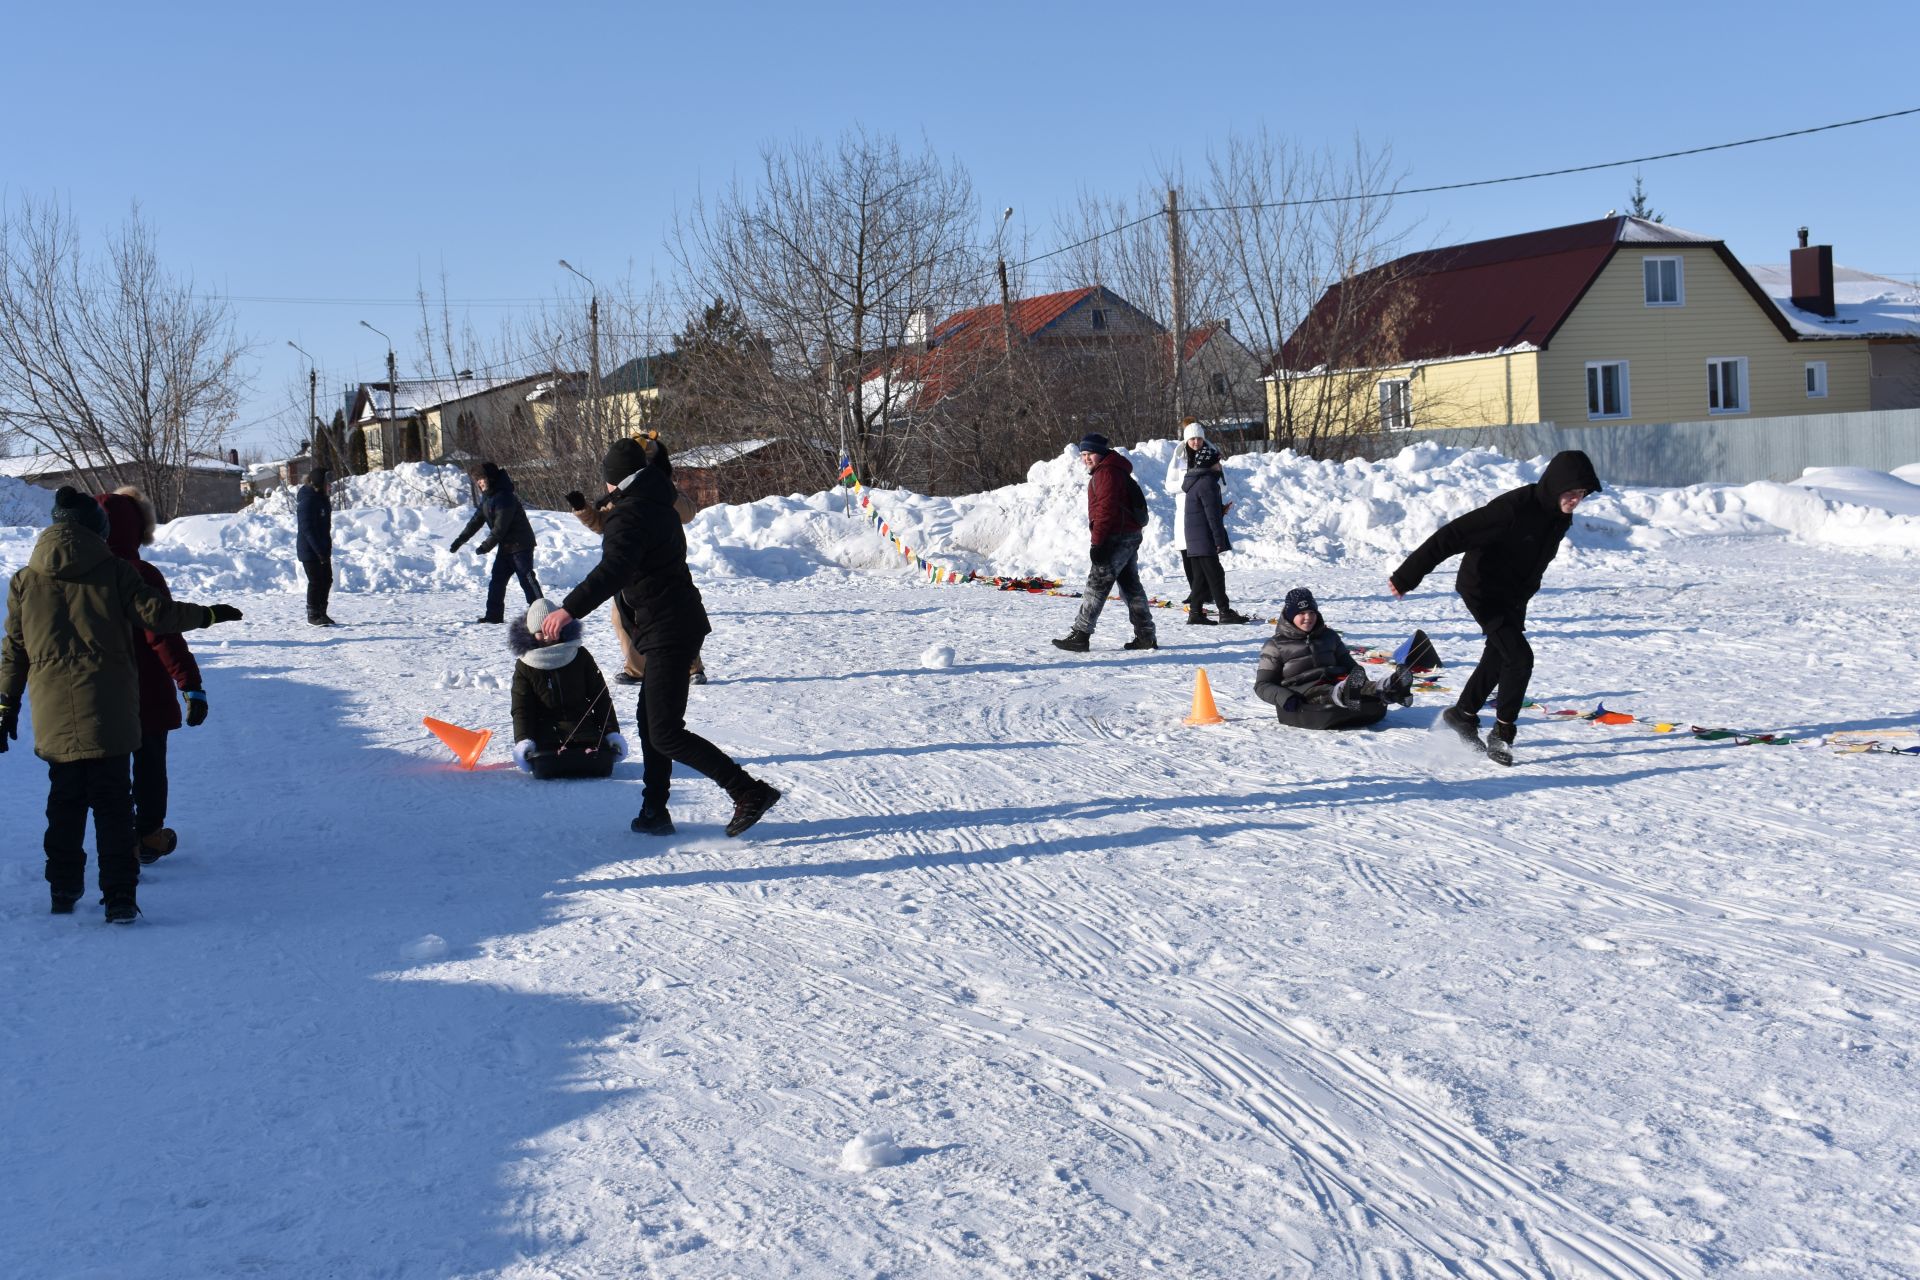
(1480, 297)
(983, 325)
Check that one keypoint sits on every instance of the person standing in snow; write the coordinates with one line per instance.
(165, 663)
(1506, 547)
(1116, 515)
(643, 568)
(71, 615)
(315, 544)
(508, 529)
(633, 666)
(1202, 531)
(1310, 677)
(564, 724)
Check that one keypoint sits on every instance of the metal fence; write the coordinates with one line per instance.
(1719, 450)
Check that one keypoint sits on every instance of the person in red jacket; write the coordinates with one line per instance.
(1116, 516)
(165, 663)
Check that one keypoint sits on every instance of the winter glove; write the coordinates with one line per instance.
(9, 726)
(520, 750)
(222, 613)
(1293, 703)
(196, 708)
(458, 542)
(485, 547)
(618, 745)
(577, 500)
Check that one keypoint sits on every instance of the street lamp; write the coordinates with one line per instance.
(393, 395)
(314, 457)
(593, 329)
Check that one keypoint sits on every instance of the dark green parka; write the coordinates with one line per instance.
(69, 643)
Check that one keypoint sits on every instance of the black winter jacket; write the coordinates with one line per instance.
(500, 510)
(1205, 518)
(1307, 664)
(567, 706)
(643, 560)
(1508, 543)
(315, 522)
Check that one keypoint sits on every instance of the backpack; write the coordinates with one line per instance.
(1136, 502)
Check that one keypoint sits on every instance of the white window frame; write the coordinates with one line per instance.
(1679, 298)
(1746, 385)
(1626, 389)
(1400, 416)
(1817, 376)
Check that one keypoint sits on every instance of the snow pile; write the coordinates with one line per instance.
(411, 484)
(874, 1149)
(23, 505)
(1898, 492)
(937, 657)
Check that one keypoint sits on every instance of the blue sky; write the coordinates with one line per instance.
(351, 151)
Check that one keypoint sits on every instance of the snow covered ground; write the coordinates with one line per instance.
(1023, 977)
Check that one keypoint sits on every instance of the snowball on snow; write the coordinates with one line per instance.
(430, 947)
(938, 657)
(874, 1149)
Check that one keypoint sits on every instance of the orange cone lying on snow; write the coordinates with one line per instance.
(466, 744)
(1204, 712)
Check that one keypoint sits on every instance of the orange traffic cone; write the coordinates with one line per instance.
(1204, 712)
(466, 744)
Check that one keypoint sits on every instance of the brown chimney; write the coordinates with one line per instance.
(1812, 274)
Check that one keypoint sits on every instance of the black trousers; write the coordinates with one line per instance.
(150, 784)
(319, 586)
(664, 738)
(1206, 580)
(507, 564)
(74, 788)
(1506, 661)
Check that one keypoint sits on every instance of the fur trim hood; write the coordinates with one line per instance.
(538, 653)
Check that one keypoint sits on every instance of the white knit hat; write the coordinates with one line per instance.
(1193, 432)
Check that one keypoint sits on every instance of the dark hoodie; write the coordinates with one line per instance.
(315, 516)
(165, 661)
(499, 509)
(643, 560)
(1508, 543)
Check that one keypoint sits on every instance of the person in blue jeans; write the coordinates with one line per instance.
(508, 529)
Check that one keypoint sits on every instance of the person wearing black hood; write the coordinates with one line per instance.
(643, 570)
(315, 544)
(508, 528)
(1506, 547)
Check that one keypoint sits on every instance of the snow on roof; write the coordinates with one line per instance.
(714, 455)
(417, 395)
(1865, 305)
(1640, 231)
(30, 466)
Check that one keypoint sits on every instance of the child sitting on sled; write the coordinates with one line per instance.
(1311, 679)
(564, 725)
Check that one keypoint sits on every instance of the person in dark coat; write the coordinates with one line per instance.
(633, 667)
(508, 528)
(165, 663)
(1115, 526)
(1204, 535)
(69, 645)
(315, 543)
(564, 724)
(1310, 677)
(1505, 547)
(643, 570)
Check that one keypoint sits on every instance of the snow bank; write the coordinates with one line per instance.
(24, 505)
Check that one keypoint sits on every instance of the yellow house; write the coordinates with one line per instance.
(1617, 320)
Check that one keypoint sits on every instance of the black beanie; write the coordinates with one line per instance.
(491, 472)
(70, 506)
(1299, 600)
(624, 457)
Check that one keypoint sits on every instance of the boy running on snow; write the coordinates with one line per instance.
(1507, 546)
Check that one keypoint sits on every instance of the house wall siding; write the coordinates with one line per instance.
(1454, 393)
(1667, 348)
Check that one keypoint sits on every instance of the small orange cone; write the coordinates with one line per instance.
(1204, 712)
(466, 744)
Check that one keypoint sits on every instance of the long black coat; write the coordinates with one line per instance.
(501, 511)
(1508, 543)
(643, 560)
(315, 517)
(1204, 516)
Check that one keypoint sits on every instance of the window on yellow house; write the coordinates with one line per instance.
(1396, 404)
(1816, 379)
(1607, 389)
(1665, 282)
(1727, 384)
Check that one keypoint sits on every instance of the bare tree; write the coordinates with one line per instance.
(833, 258)
(111, 363)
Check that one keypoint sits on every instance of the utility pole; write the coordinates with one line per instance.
(593, 354)
(388, 432)
(314, 434)
(1175, 254)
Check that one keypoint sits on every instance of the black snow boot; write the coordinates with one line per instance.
(1500, 743)
(1074, 642)
(1233, 616)
(489, 620)
(625, 677)
(156, 845)
(753, 800)
(63, 901)
(1146, 640)
(653, 822)
(1197, 617)
(1398, 687)
(698, 677)
(121, 908)
(1466, 726)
